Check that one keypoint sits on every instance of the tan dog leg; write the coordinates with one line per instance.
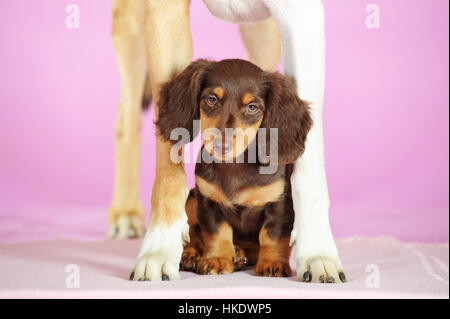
(169, 48)
(263, 43)
(126, 215)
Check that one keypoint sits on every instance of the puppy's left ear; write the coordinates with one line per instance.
(289, 114)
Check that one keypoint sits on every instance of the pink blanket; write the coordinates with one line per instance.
(376, 268)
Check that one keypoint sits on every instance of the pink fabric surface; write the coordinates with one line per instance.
(25, 222)
(385, 115)
(38, 270)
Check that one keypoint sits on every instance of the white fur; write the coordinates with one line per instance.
(161, 251)
(301, 24)
(238, 11)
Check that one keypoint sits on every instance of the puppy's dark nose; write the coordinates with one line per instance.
(222, 146)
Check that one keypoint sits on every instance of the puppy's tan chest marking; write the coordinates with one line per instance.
(260, 195)
(255, 196)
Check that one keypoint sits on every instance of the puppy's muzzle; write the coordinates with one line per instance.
(222, 146)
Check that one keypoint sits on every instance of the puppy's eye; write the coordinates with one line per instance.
(252, 108)
(211, 100)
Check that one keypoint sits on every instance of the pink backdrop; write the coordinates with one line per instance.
(386, 117)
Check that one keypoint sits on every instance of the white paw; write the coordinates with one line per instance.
(320, 269)
(160, 254)
(127, 226)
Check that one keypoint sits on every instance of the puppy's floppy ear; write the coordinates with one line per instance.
(287, 112)
(179, 100)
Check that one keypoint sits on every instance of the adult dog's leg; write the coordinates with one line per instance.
(301, 24)
(126, 215)
(262, 41)
(169, 48)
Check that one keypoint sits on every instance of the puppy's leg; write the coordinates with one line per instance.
(193, 250)
(302, 30)
(273, 259)
(218, 249)
(169, 48)
(219, 253)
(126, 215)
(262, 41)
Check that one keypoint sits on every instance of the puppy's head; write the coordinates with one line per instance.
(233, 99)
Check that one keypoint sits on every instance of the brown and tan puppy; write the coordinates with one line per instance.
(238, 215)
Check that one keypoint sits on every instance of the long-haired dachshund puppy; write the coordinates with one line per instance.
(238, 214)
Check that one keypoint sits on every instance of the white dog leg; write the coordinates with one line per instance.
(301, 24)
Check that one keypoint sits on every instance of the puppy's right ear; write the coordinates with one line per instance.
(179, 100)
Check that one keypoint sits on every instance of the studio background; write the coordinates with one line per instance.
(385, 117)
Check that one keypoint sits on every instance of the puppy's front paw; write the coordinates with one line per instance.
(160, 253)
(215, 266)
(126, 223)
(190, 258)
(240, 260)
(320, 270)
(271, 268)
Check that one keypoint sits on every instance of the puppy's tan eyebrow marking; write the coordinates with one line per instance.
(219, 91)
(247, 98)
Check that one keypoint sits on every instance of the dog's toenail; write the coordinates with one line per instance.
(342, 276)
(330, 280)
(322, 278)
(132, 276)
(306, 277)
(165, 277)
(220, 272)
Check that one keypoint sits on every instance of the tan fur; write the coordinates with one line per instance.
(191, 211)
(263, 44)
(247, 98)
(169, 48)
(273, 249)
(260, 196)
(212, 191)
(219, 244)
(250, 197)
(273, 259)
(245, 136)
(220, 92)
(218, 251)
(207, 122)
(129, 44)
